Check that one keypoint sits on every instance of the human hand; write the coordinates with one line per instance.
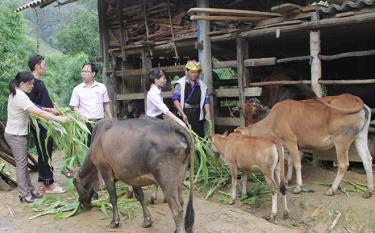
(185, 118)
(51, 110)
(207, 117)
(64, 119)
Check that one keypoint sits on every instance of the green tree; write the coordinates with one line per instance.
(15, 47)
(80, 35)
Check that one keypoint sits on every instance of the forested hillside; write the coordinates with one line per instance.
(67, 37)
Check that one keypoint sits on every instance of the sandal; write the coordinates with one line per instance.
(56, 189)
(36, 194)
(28, 199)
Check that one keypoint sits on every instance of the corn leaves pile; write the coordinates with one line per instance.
(212, 175)
(69, 138)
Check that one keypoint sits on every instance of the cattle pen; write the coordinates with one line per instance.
(330, 47)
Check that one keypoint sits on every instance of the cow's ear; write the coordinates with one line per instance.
(225, 134)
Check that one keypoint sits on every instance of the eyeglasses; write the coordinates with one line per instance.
(86, 71)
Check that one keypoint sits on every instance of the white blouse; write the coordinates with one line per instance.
(154, 104)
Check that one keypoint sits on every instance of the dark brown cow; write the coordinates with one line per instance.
(320, 124)
(140, 152)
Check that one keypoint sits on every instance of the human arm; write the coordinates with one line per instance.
(176, 98)
(177, 105)
(207, 111)
(46, 115)
(174, 117)
(107, 110)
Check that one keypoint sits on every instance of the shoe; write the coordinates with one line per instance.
(54, 188)
(28, 199)
(36, 194)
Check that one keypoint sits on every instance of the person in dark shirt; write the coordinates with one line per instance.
(40, 97)
(190, 98)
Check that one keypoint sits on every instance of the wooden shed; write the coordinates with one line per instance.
(331, 46)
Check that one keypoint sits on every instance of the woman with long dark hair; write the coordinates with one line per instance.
(17, 129)
(155, 105)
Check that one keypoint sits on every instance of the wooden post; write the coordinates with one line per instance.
(316, 65)
(204, 54)
(242, 53)
(146, 66)
(104, 42)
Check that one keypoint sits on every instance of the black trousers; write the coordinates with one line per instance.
(90, 127)
(45, 170)
(197, 125)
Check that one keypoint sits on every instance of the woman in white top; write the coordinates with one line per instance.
(17, 129)
(155, 105)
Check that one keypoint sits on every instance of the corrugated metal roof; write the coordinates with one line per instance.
(345, 6)
(35, 3)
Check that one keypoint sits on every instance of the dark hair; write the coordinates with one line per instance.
(154, 74)
(33, 60)
(92, 66)
(21, 77)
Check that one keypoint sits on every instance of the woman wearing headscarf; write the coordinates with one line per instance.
(191, 99)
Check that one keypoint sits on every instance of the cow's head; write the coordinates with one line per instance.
(243, 130)
(214, 142)
(85, 190)
(253, 111)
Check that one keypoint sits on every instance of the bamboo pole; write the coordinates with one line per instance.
(242, 53)
(326, 82)
(172, 32)
(316, 65)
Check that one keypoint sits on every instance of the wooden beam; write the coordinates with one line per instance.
(325, 82)
(348, 54)
(225, 18)
(285, 8)
(139, 72)
(220, 11)
(252, 62)
(140, 96)
(242, 51)
(233, 92)
(227, 121)
(316, 64)
(321, 24)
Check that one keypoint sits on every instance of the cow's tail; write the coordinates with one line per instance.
(357, 108)
(280, 151)
(189, 215)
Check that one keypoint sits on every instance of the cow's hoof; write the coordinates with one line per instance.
(297, 190)
(367, 194)
(130, 194)
(115, 224)
(286, 215)
(147, 222)
(330, 192)
(152, 200)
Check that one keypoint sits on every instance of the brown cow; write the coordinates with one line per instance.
(320, 124)
(256, 154)
(140, 152)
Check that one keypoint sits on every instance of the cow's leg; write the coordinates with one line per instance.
(154, 194)
(342, 149)
(272, 184)
(147, 222)
(361, 144)
(290, 168)
(295, 157)
(233, 171)
(109, 181)
(172, 195)
(244, 181)
(130, 192)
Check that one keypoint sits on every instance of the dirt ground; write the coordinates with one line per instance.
(309, 212)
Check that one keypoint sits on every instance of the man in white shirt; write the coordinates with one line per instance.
(90, 98)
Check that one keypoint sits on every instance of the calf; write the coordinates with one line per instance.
(320, 124)
(256, 154)
(140, 152)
